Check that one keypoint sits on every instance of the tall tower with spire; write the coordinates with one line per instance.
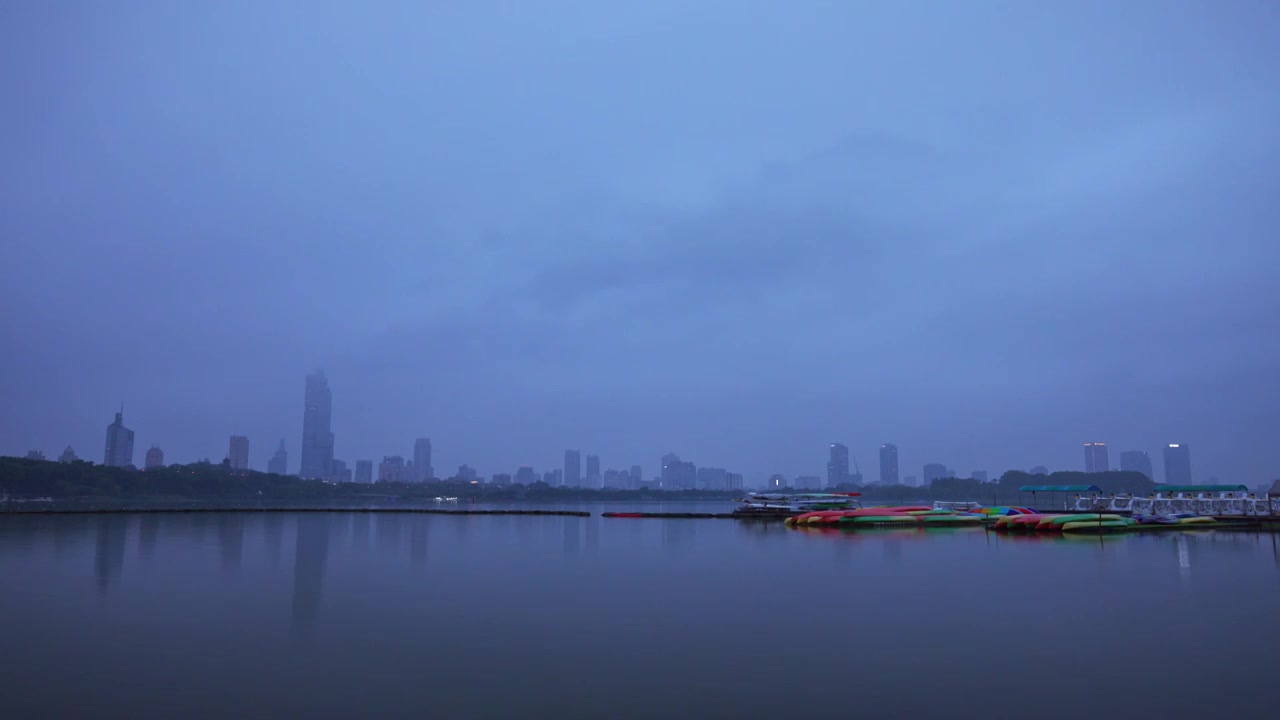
(119, 451)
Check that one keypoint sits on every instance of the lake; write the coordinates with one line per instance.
(400, 615)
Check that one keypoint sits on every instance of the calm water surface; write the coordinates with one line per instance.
(396, 615)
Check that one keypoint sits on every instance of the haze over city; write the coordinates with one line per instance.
(736, 231)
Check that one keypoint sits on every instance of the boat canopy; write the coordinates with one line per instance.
(1060, 488)
(1201, 488)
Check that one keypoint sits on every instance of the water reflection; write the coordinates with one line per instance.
(592, 530)
(1184, 558)
(148, 531)
(273, 535)
(571, 528)
(418, 531)
(389, 526)
(360, 532)
(678, 534)
(231, 541)
(310, 556)
(108, 560)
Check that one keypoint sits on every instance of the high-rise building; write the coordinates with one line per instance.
(119, 443)
(155, 458)
(1137, 461)
(525, 475)
(422, 470)
(807, 482)
(339, 472)
(317, 433)
(733, 481)
(637, 478)
(391, 469)
(551, 477)
(572, 468)
(35, 455)
(279, 463)
(678, 474)
(238, 452)
(712, 478)
(501, 479)
(364, 471)
(68, 455)
(888, 464)
(934, 471)
(593, 480)
(979, 475)
(1039, 470)
(910, 481)
(1177, 464)
(466, 473)
(1095, 457)
(777, 481)
(837, 465)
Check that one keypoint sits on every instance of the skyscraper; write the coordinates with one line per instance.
(119, 451)
(1137, 461)
(594, 480)
(710, 478)
(391, 469)
(279, 463)
(1177, 464)
(934, 471)
(637, 478)
(837, 465)
(155, 458)
(572, 468)
(339, 472)
(317, 435)
(364, 471)
(422, 470)
(1095, 457)
(238, 453)
(888, 464)
(525, 475)
(678, 474)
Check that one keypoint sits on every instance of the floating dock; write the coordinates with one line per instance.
(409, 510)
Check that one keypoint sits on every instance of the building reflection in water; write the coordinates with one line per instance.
(592, 530)
(418, 530)
(108, 561)
(571, 528)
(273, 535)
(311, 555)
(679, 534)
(231, 541)
(148, 531)
(360, 532)
(1184, 557)
(389, 526)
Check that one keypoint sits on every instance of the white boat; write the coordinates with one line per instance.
(785, 504)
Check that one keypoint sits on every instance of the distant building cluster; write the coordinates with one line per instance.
(318, 462)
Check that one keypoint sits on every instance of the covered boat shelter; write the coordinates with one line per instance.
(1052, 490)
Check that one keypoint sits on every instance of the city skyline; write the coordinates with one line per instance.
(673, 472)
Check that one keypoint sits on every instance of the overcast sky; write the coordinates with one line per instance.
(987, 232)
